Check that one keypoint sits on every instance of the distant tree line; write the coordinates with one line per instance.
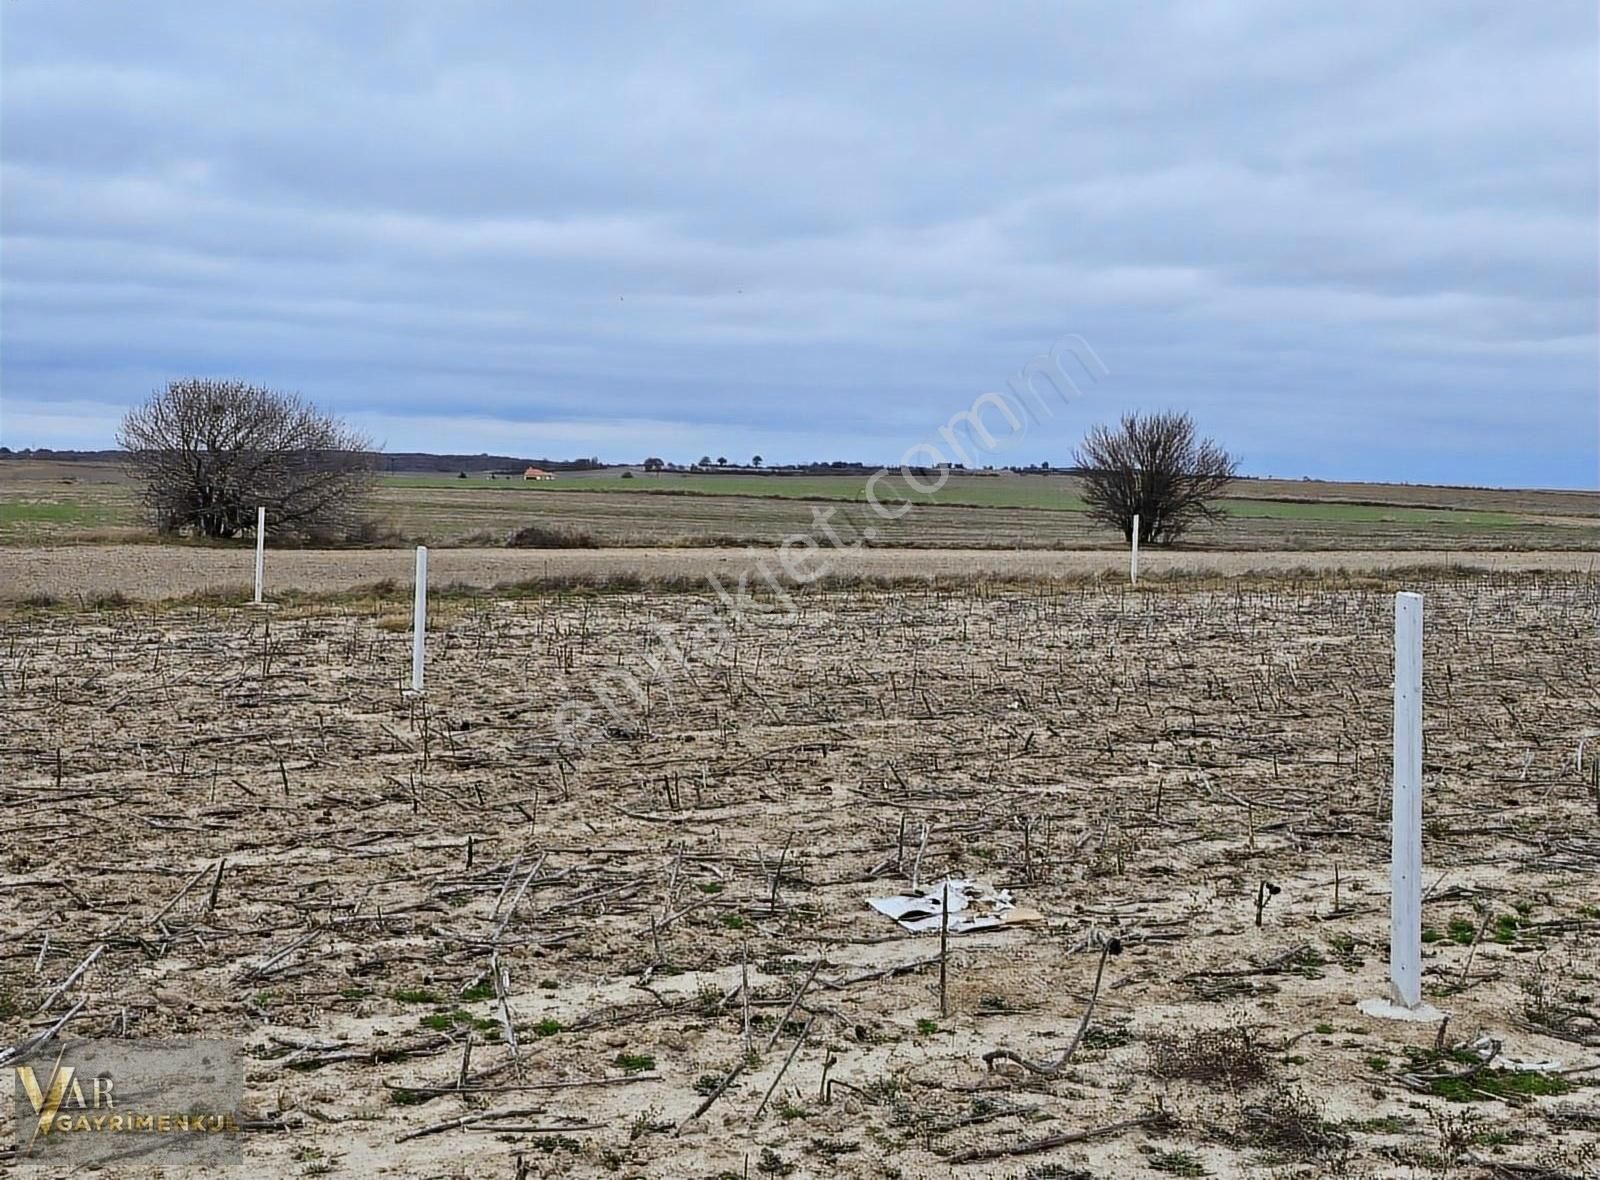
(208, 453)
(422, 461)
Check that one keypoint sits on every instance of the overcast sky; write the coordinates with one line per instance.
(1354, 240)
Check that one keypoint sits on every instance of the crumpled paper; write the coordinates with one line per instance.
(974, 905)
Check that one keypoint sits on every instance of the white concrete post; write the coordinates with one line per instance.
(1133, 561)
(261, 548)
(419, 618)
(1405, 905)
(1404, 1001)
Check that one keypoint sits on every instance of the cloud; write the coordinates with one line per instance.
(1353, 241)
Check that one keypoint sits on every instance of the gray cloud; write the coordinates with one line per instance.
(1356, 241)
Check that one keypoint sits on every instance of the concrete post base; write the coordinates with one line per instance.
(1423, 1013)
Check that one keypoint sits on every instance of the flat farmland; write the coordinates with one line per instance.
(82, 574)
(459, 938)
(627, 518)
(50, 503)
(89, 503)
(991, 511)
(1008, 489)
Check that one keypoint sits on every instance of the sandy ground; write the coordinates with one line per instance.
(149, 572)
(268, 840)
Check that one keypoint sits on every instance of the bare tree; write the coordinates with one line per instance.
(208, 452)
(1153, 467)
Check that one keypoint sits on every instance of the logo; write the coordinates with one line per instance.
(126, 1100)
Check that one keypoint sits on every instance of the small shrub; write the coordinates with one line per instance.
(364, 533)
(1112, 1034)
(773, 1164)
(1556, 1007)
(830, 1149)
(542, 536)
(1385, 1124)
(416, 995)
(707, 1000)
(706, 1084)
(1177, 1163)
(1458, 1133)
(1506, 928)
(551, 1144)
(460, 1018)
(648, 1122)
(1291, 1122)
(1225, 1055)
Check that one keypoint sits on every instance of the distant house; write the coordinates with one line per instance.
(537, 473)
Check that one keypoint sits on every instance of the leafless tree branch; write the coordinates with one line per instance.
(1153, 467)
(209, 452)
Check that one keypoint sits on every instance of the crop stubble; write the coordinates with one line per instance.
(270, 841)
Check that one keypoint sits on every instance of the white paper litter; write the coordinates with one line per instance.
(1488, 1048)
(1516, 1063)
(973, 906)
